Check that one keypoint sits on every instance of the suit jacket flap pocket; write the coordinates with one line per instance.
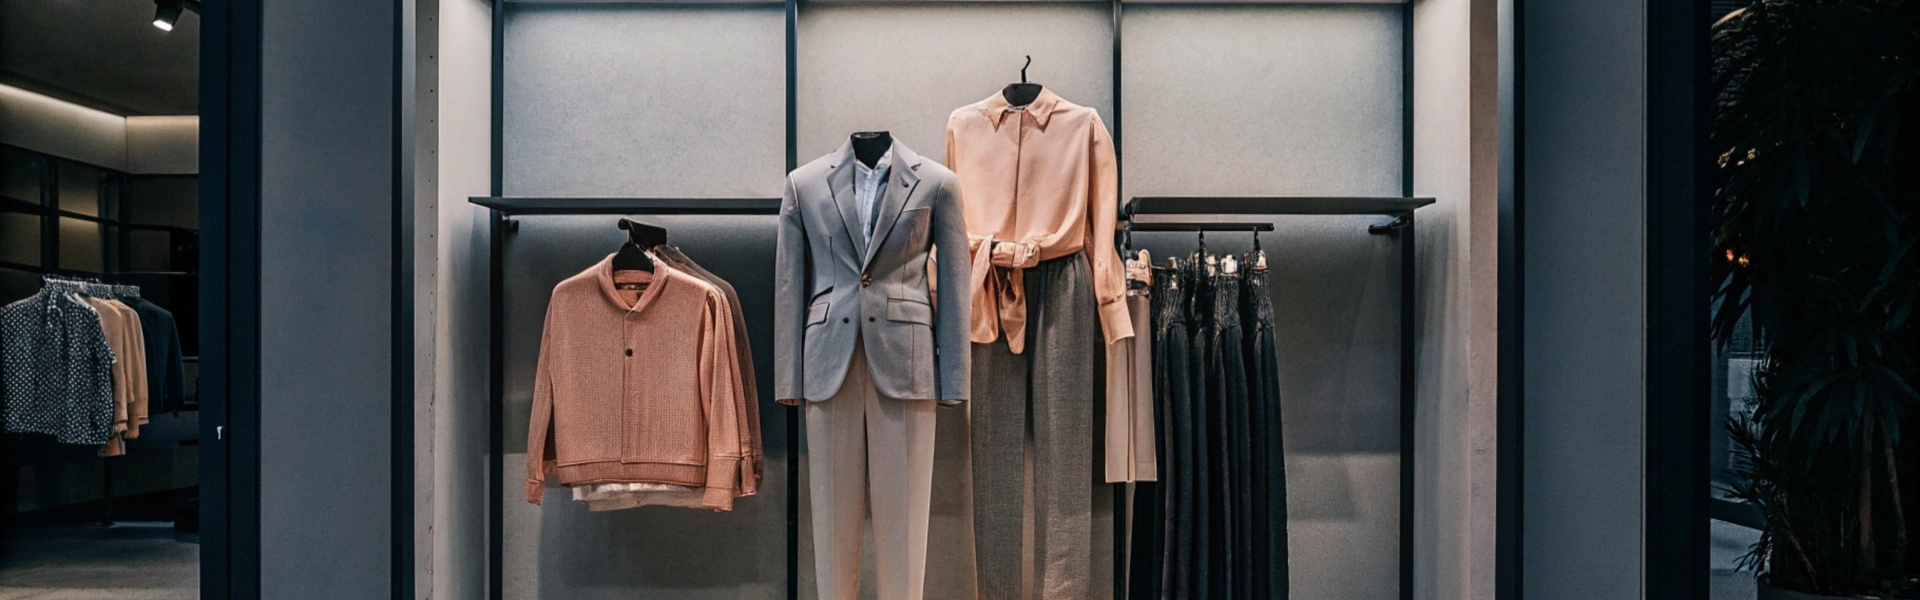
(817, 314)
(909, 311)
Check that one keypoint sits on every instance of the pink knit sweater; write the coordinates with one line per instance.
(638, 386)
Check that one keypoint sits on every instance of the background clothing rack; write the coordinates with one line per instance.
(502, 222)
(1237, 213)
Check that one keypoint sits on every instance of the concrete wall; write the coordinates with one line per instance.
(457, 568)
(1456, 162)
(1584, 196)
(327, 175)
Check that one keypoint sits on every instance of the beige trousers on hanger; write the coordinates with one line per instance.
(868, 451)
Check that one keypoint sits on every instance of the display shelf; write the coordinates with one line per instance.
(545, 205)
(1151, 226)
(1143, 209)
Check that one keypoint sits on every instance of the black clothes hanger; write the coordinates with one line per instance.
(1023, 93)
(640, 237)
(869, 146)
(1259, 256)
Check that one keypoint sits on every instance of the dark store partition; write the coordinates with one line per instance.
(671, 100)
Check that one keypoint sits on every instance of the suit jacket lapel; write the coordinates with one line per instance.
(840, 184)
(901, 180)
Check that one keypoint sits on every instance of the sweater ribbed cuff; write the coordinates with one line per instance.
(723, 475)
(749, 476)
(535, 489)
(720, 499)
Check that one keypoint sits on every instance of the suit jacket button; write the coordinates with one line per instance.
(866, 280)
(845, 320)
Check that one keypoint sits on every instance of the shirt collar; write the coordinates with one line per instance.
(996, 108)
(879, 168)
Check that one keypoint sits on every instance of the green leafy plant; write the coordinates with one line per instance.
(1818, 188)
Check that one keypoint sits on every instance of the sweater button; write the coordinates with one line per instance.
(845, 320)
(629, 352)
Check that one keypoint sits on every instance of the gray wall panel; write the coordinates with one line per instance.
(904, 68)
(325, 284)
(1585, 87)
(627, 100)
(1295, 100)
(1261, 100)
(459, 562)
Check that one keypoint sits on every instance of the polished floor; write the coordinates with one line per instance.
(148, 563)
(1730, 542)
(108, 563)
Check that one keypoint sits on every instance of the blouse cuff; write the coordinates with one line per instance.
(1115, 320)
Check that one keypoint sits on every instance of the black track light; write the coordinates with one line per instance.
(167, 12)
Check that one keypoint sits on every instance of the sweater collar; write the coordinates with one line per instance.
(603, 273)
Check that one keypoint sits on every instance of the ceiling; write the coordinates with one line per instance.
(102, 53)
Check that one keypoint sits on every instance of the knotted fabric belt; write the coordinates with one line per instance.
(999, 291)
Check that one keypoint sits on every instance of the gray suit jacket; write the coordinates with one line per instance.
(830, 285)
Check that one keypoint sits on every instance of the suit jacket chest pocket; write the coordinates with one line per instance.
(917, 223)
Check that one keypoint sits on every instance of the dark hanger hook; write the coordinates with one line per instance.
(1023, 68)
(1256, 240)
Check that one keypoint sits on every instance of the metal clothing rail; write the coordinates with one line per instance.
(1150, 226)
(1215, 213)
(1174, 210)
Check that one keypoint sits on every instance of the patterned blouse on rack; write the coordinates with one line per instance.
(58, 368)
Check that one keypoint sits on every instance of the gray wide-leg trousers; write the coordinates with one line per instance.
(1045, 396)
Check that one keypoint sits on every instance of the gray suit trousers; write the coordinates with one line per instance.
(1045, 396)
(865, 450)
